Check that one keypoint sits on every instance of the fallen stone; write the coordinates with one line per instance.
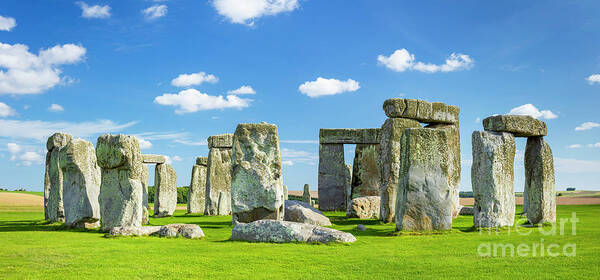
(134, 231)
(349, 136)
(332, 177)
(300, 212)
(361, 227)
(366, 177)
(218, 177)
(81, 184)
(520, 126)
(539, 181)
(366, 207)
(421, 110)
(53, 182)
(189, 231)
(467, 211)
(153, 159)
(220, 141)
(256, 180)
(390, 151)
(306, 194)
(492, 179)
(274, 231)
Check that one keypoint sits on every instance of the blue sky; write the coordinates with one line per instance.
(175, 72)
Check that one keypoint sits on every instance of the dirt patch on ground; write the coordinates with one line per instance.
(560, 200)
(20, 199)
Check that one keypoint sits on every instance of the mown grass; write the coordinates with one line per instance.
(32, 248)
(27, 192)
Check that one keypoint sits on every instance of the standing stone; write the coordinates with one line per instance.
(424, 201)
(197, 190)
(366, 177)
(81, 184)
(285, 192)
(306, 194)
(256, 183)
(539, 181)
(390, 150)
(218, 173)
(145, 208)
(525, 202)
(332, 177)
(121, 190)
(46, 185)
(224, 204)
(54, 206)
(348, 186)
(165, 196)
(492, 179)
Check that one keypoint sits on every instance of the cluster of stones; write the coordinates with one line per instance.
(492, 172)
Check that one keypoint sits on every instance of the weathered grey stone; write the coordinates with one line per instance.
(145, 208)
(492, 179)
(202, 161)
(54, 188)
(134, 231)
(366, 177)
(189, 231)
(121, 190)
(81, 184)
(274, 231)
(525, 202)
(520, 126)
(423, 199)
(153, 159)
(224, 205)
(300, 212)
(361, 227)
(366, 207)
(306, 194)
(285, 193)
(348, 186)
(421, 110)
(389, 155)
(165, 190)
(467, 211)
(220, 141)
(197, 190)
(218, 180)
(539, 181)
(332, 177)
(256, 179)
(453, 131)
(349, 136)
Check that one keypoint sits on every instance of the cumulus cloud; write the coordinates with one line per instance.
(155, 11)
(246, 11)
(27, 73)
(13, 150)
(322, 86)
(95, 11)
(29, 158)
(55, 108)
(186, 80)
(587, 126)
(191, 100)
(594, 79)
(6, 110)
(242, 90)
(530, 110)
(7, 23)
(297, 156)
(144, 144)
(402, 60)
(41, 130)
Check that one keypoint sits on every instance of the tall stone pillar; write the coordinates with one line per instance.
(332, 177)
(145, 209)
(197, 190)
(539, 181)
(53, 181)
(165, 190)
(306, 194)
(218, 176)
(366, 177)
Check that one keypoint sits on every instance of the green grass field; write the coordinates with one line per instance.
(31, 248)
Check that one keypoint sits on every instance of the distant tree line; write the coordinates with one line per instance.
(182, 195)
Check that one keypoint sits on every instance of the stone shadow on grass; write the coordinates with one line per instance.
(38, 225)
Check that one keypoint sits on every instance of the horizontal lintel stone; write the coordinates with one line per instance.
(349, 136)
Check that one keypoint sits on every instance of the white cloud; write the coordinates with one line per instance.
(7, 23)
(27, 73)
(401, 60)
(530, 110)
(155, 11)
(595, 145)
(144, 144)
(6, 110)
(186, 80)
(177, 158)
(242, 90)
(287, 162)
(55, 108)
(29, 158)
(191, 100)
(322, 86)
(13, 148)
(95, 11)
(246, 11)
(41, 130)
(587, 126)
(575, 146)
(594, 79)
(297, 156)
(191, 143)
(477, 120)
(568, 165)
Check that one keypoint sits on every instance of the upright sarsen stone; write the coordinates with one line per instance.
(390, 150)
(81, 184)
(165, 196)
(145, 208)
(306, 194)
(492, 179)
(348, 186)
(53, 182)
(121, 189)
(366, 177)
(539, 181)
(332, 177)
(256, 183)
(218, 173)
(197, 189)
(424, 195)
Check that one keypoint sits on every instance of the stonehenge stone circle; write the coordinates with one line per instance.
(256, 179)
(121, 189)
(366, 207)
(197, 189)
(423, 200)
(306, 194)
(300, 212)
(366, 177)
(218, 173)
(53, 182)
(492, 176)
(81, 184)
(539, 181)
(519, 126)
(153, 159)
(274, 231)
(165, 190)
